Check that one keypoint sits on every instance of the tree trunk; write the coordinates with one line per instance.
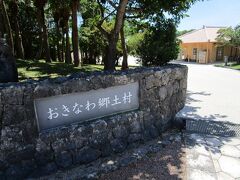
(20, 50)
(236, 56)
(27, 40)
(75, 33)
(18, 36)
(124, 47)
(109, 63)
(82, 56)
(45, 37)
(57, 43)
(92, 59)
(63, 44)
(53, 53)
(44, 34)
(236, 52)
(7, 25)
(59, 57)
(1, 24)
(68, 58)
(40, 51)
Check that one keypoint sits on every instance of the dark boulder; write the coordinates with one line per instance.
(8, 68)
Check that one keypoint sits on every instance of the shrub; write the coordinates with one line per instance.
(159, 45)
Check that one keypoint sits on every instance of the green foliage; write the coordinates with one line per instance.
(29, 29)
(226, 36)
(231, 65)
(236, 39)
(133, 42)
(229, 36)
(143, 20)
(236, 66)
(159, 45)
(91, 43)
(155, 10)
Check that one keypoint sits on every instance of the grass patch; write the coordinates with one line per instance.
(231, 65)
(236, 66)
(28, 69)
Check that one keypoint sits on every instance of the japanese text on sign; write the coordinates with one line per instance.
(78, 107)
(106, 102)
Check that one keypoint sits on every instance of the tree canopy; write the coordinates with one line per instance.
(88, 31)
(159, 45)
(230, 37)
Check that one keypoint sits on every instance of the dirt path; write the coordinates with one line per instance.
(168, 164)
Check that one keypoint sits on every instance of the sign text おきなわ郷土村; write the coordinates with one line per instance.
(78, 107)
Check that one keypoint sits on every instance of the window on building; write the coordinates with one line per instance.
(219, 53)
(195, 51)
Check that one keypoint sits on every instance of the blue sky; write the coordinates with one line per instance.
(212, 13)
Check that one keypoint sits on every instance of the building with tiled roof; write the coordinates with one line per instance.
(201, 46)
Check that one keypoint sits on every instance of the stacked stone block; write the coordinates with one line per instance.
(26, 152)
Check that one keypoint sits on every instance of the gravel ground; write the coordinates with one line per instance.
(168, 164)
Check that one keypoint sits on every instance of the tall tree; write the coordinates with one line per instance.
(7, 25)
(230, 37)
(92, 42)
(75, 39)
(65, 18)
(57, 9)
(151, 11)
(18, 37)
(56, 17)
(61, 10)
(62, 25)
(124, 48)
(40, 4)
(1, 25)
(112, 37)
(29, 28)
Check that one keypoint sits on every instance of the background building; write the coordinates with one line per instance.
(201, 46)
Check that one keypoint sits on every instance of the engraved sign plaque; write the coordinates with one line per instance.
(66, 109)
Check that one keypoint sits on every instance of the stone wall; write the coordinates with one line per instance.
(24, 152)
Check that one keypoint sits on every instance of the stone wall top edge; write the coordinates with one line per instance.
(82, 75)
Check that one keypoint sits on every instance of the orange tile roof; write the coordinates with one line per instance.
(206, 34)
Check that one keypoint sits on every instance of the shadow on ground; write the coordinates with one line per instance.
(169, 164)
(190, 111)
(203, 143)
(213, 132)
(41, 69)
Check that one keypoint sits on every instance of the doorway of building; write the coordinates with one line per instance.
(219, 55)
(195, 52)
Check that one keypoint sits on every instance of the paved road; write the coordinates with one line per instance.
(213, 93)
(212, 158)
